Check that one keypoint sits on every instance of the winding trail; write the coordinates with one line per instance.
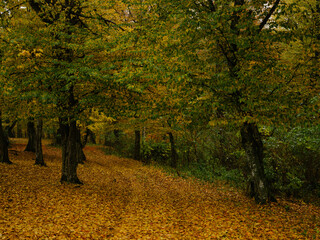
(122, 199)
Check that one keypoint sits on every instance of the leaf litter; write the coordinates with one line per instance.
(122, 199)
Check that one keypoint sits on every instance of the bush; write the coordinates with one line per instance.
(155, 151)
(292, 162)
(121, 145)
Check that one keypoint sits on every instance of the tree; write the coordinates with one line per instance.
(38, 147)
(74, 72)
(32, 137)
(4, 156)
(230, 55)
(137, 145)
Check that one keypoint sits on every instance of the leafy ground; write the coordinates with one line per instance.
(122, 199)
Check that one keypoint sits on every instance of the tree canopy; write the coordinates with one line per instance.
(175, 67)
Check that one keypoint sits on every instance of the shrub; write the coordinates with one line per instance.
(292, 162)
(155, 151)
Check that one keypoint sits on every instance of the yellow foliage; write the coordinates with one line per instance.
(122, 199)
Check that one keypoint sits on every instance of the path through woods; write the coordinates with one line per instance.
(122, 199)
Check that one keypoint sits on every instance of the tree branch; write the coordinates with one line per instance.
(107, 21)
(212, 7)
(10, 9)
(266, 19)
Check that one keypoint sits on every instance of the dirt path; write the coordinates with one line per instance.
(122, 199)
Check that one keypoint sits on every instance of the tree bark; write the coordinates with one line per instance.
(116, 133)
(174, 155)
(31, 146)
(39, 154)
(49, 14)
(137, 145)
(253, 146)
(69, 152)
(58, 137)
(9, 129)
(4, 156)
(90, 136)
(80, 154)
(19, 130)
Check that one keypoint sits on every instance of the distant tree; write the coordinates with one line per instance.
(31, 132)
(38, 147)
(137, 145)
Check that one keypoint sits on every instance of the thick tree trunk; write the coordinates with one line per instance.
(80, 154)
(137, 145)
(253, 146)
(39, 154)
(4, 156)
(64, 132)
(174, 155)
(31, 146)
(69, 152)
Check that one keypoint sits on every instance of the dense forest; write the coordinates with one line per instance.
(225, 90)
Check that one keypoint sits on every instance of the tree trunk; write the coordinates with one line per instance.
(91, 136)
(253, 146)
(80, 154)
(4, 156)
(69, 152)
(116, 133)
(58, 137)
(39, 154)
(64, 132)
(9, 129)
(19, 130)
(174, 155)
(31, 146)
(137, 145)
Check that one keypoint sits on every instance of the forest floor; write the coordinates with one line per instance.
(122, 199)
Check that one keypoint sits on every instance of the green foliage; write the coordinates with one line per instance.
(120, 144)
(197, 69)
(158, 152)
(292, 162)
(217, 146)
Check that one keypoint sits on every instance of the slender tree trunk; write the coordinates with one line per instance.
(39, 154)
(117, 144)
(31, 146)
(19, 130)
(137, 145)
(9, 129)
(116, 133)
(174, 155)
(253, 146)
(91, 136)
(4, 156)
(85, 139)
(58, 137)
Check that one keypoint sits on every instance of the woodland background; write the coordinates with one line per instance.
(221, 89)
